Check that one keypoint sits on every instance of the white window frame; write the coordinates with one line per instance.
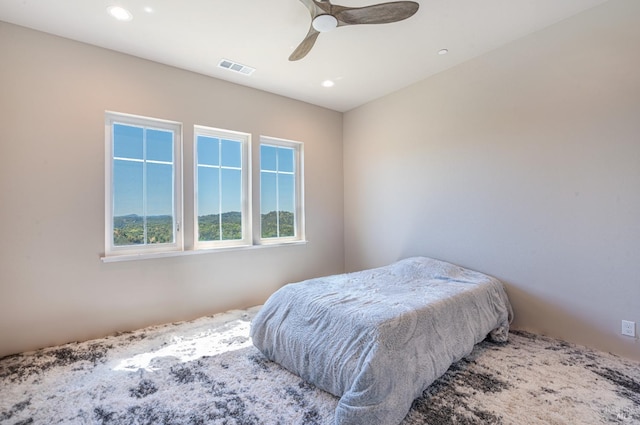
(112, 250)
(246, 221)
(298, 160)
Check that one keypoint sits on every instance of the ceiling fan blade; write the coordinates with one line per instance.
(382, 13)
(305, 46)
(313, 7)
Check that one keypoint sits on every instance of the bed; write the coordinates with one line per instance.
(378, 338)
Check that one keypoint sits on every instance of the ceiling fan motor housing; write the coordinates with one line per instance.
(324, 23)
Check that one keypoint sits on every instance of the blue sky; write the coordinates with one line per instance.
(219, 175)
(129, 151)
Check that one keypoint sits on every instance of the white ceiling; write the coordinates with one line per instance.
(365, 61)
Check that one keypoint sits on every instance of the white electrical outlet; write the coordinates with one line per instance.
(628, 328)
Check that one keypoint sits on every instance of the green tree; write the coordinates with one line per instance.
(269, 224)
(209, 226)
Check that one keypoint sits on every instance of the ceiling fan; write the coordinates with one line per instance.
(326, 16)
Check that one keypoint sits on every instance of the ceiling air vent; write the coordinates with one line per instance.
(236, 67)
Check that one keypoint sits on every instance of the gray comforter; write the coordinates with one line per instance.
(377, 338)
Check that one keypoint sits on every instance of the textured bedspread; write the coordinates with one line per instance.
(377, 338)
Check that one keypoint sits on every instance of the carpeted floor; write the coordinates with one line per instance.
(207, 372)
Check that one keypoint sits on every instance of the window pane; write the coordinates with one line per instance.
(208, 204)
(159, 229)
(127, 141)
(268, 193)
(209, 227)
(286, 193)
(285, 160)
(231, 204)
(268, 157)
(286, 204)
(208, 151)
(231, 190)
(159, 203)
(159, 189)
(268, 205)
(286, 224)
(128, 209)
(231, 153)
(159, 145)
(231, 226)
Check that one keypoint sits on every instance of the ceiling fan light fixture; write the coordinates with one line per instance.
(324, 23)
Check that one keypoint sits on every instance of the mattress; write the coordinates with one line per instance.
(378, 338)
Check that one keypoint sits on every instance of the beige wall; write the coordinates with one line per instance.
(53, 286)
(523, 163)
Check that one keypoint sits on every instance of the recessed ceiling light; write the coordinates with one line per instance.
(443, 51)
(148, 9)
(328, 83)
(120, 13)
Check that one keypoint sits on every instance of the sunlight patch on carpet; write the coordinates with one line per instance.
(186, 349)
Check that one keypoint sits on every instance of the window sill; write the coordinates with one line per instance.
(155, 255)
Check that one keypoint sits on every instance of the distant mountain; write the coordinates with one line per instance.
(228, 217)
(129, 229)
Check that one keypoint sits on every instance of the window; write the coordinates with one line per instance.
(222, 187)
(143, 188)
(281, 194)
